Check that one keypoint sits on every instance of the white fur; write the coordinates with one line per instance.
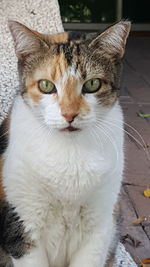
(65, 185)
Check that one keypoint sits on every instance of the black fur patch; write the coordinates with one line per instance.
(74, 36)
(5, 260)
(67, 49)
(3, 138)
(81, 36)
(12, 238)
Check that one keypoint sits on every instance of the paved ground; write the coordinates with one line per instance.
(135, 98)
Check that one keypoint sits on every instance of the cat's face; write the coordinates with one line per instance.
(67, 81)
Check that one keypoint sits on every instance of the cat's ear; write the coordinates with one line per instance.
(26, 41)
(113, 39)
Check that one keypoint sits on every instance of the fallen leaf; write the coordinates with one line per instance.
(144, 263)
(139, 220)
(147, 260)
(147, 192)
(142, 115)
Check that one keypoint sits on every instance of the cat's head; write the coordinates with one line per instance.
(67, 80)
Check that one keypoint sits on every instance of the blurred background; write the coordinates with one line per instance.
(96, 14)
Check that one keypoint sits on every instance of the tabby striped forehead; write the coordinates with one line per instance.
(63, 66)
(67, 78)
(65, 51)
(68, 58)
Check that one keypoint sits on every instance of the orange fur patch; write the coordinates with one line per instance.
(60, 65)
(58, 38)
(31, 85)
(72, 103)
(33, 92)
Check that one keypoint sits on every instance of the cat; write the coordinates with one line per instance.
(62, 156)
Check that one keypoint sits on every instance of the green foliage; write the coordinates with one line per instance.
(93, 11)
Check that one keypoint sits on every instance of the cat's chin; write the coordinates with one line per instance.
(70, 129)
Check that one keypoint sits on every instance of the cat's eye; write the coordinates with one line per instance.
(46, 87)
(92, 86)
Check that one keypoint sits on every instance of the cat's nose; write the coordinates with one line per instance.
(69, 117)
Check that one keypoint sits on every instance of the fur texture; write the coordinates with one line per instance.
(63, 165)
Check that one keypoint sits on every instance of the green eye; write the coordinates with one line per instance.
(46, 87)
(91, 86)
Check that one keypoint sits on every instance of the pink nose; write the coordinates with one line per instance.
(69, 117)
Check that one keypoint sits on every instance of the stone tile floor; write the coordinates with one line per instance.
(135, 98)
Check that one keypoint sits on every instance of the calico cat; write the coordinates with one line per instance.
(62, 156)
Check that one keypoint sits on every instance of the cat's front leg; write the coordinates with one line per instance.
(95, 248)
(17, 243)
(36, 257)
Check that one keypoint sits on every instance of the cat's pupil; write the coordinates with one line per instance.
(46, 83)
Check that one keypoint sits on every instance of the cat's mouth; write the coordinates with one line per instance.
(70, 129)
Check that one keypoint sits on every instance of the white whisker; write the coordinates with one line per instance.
(99, 127)
(143, 146)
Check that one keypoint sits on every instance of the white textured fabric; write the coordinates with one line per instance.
(41, 15)
(44, 16)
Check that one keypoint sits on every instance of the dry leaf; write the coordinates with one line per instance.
(139, 220)
(145, 263)
(147, 192)
(147, 260)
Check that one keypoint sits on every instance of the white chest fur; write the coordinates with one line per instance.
(56, 179)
